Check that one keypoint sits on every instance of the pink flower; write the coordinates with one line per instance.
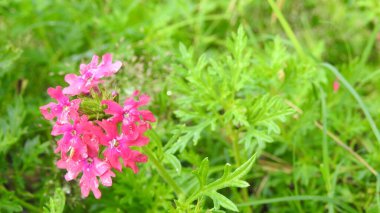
(88, 145)
(90, 75)
(130, 114)
(78, 136)
(336, 85)
(92, 168)
(118, 147)
(63, 109)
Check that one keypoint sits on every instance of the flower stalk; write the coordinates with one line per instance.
(162, 172)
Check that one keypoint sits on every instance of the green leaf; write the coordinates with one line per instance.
(56, 203)
(223, 201)
(202, 172)
(8, 206)
(173, 160)
(228, 179)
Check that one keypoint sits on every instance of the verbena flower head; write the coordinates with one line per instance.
(96, 136)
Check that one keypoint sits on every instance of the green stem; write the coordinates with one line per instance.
(26, 205)
(235, 147)
(326, 158)
(366, 113)
(378, 192)
(289, 199)
(162, 172)
(369, 46)
(285, 25)
(357, 97)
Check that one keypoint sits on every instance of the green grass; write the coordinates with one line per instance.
(228, 79)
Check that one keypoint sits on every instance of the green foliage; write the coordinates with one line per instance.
(228, 179)
(226, 81)
(225, 100)
(56, 203)
(11, 126)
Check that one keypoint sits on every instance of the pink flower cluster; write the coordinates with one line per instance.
(95, 147)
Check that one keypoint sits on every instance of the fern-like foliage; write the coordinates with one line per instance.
(210, 189)
(227, 101)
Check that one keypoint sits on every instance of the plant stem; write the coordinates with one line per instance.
(337, 140)
(357, 97)
(26, 205)
(285, 25)
(366, 113)
(235, 148)
(162, 172)
(369, 46)
(325, 150)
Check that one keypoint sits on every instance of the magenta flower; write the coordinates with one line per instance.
(73, 134)
(62, 110)
(118, 146)
(130, 115)
(90, 142)
(91, 167)
(90, 75)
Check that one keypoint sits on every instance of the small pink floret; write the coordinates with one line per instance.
(336, 85)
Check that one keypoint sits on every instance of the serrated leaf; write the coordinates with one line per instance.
(56, 203)
(173, 160)
(228, 179)
(191, 133)
(223, 201)
(244, 169)
(202, 172)
(239, 183)
(227, 171)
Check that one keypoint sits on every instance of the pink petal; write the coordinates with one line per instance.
(147, 115)
(113, 158)
(106, 178)
(101, 167)
(57, 94)
(46, 111)
(114, 109)
(96, 192)
(61, 129)
(130, 131)
(71, 78)
(144, 100)
(110, 128)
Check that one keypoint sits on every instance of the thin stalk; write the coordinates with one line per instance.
(366, 113)
(313, 198)
(378, 192)
(235, 148)
(26, 205)
(280, 4)
(337, 140)
(325, 149)
(285, 25)
(357, 97)
(162, 172)
(286, 199)
(369, 46)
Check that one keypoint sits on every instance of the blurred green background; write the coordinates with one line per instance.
(41, 41)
